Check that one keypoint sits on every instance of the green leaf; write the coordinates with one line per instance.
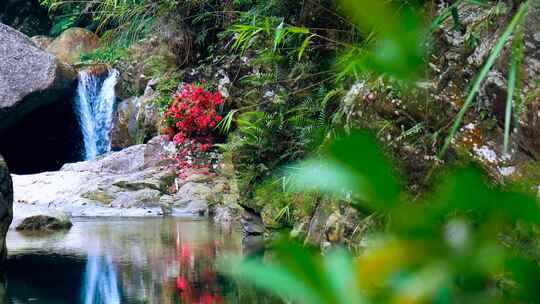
(271, 278)
(359, 153)
(517, 56)
(304, 46)
(518, 17)
(342, 277)
(279, 36)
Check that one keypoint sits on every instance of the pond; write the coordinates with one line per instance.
(109, 261)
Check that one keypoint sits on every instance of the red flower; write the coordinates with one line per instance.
(190, 122)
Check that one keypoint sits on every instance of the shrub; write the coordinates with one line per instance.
(190, 121)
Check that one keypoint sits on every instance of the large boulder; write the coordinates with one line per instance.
(131, 182)
(30, 78)
(131, 178)
(6, 202)
(72, 43)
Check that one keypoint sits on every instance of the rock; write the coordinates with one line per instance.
(193, 190)
(315, 233)
(133, 182)
(30, 78)
(72, 43)
(136, 121)
(199, 207)
(252, 223)
(129, 160)
(128, 179)
(334, 228)
(44, 223)
(42, 41)
(300, 229)
(137, 199)
(226, 214)
(6, 211)
(530, 120)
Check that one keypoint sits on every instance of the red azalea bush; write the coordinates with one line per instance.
(189, 123)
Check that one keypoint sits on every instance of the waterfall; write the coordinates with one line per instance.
(94, 105)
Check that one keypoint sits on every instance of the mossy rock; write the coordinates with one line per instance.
(44, 223)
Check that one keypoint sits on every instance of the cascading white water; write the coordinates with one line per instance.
(94, 105)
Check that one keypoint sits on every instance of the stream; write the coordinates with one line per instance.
(108, 261)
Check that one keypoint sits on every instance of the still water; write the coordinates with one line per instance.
(105, 261)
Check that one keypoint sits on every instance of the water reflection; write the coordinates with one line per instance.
(125, 261)
(100, 283)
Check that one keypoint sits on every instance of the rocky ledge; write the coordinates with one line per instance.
(137, 181)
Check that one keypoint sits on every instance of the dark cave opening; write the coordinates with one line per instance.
(44, 140)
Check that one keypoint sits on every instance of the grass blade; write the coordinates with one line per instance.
(483, 74)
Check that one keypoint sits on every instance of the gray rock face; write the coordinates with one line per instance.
(136, 120)
(29, 77)
(136, 181)
(6, 211)
(252, 223)
(130, 182)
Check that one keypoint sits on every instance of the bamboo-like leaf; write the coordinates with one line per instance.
(280, 35)
(518, 17)
(517, 56)
(304, 46)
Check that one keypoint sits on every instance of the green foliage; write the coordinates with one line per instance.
(107, 54)
(225, 125)
(394, 47)
(513, 84)
(443, 250)
(165, 88)
(269, 29)
(516, 20)
(127, 20)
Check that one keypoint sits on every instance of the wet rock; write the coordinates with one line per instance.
(30, 78)
(136, 121)
(44, 223)
(226, 214)
(72, 43)
(252, 223)
(6, 211)
(136, 181)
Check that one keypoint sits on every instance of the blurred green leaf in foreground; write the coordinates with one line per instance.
(443, 249)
